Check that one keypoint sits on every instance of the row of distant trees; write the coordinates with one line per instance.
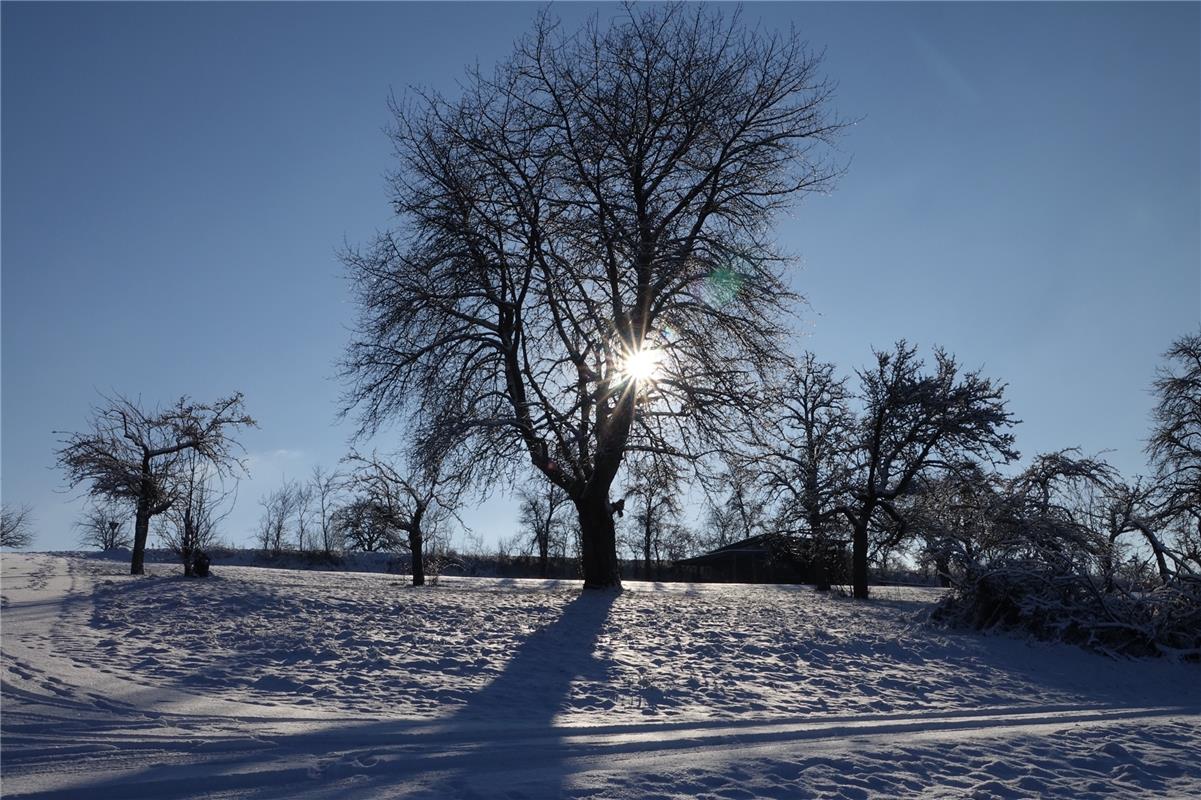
(376, 504)
(910, 463)
(183, 463)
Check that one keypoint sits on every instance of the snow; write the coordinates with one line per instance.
(262, 683)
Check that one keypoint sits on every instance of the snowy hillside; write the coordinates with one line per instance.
(272, 683)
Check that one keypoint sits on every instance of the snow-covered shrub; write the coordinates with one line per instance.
(1064, 552)
(1076, 608)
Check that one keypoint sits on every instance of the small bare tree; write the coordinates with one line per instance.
(366, 527)
(541, 514)
(103, 526)
(131, 455)
(413, 500)
(652, 502)
(277, 521)
(326, 489)
(201, 502)
(16, 526)
(801, 451)
(304, 516)
(738, 504)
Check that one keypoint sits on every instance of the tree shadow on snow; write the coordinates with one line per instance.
(502, 742)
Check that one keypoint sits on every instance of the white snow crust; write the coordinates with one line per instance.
(265, 683)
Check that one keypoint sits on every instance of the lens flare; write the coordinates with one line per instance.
(642, 365)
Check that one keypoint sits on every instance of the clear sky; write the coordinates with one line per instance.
(1023, 188)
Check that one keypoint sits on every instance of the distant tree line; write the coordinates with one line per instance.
(376, 504)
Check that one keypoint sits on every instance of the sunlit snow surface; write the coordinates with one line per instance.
(275, 683)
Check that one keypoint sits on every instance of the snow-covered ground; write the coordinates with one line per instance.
(263, 683)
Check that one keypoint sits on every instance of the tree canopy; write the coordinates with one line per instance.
(584, 265)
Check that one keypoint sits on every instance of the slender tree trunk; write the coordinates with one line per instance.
(415, 545)
(646, 546)
(141, 525)
(942, 565)
(599, 543)
(141, 530)
(820, 547)
(859, 559)
(544, 554)
(821, 563)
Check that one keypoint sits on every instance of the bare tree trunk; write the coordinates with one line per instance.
(544, 554)
(141, 530)
(599, 554)
(141, 527)
(859, 559)
(646, 541)
(415, 545)
(822, 562)
(942, 565)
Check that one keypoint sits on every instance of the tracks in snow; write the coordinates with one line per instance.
(430, 754)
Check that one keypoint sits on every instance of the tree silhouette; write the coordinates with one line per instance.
(584, 267)
(132, 455)
(915, 423)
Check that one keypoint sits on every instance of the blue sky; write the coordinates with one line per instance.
(1023, 188)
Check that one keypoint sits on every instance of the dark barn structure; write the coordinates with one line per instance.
(766, 558)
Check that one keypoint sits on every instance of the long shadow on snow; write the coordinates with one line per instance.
(495, 728)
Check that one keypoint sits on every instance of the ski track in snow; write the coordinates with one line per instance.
(273, 683)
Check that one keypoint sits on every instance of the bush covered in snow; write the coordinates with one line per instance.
(1068, 552)
(1073, 607)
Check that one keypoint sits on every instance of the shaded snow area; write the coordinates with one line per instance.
(262, 683)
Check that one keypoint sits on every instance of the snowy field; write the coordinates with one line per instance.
(263, 683)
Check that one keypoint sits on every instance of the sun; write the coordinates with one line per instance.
(642, 365)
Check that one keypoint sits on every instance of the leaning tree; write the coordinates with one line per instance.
(133, 455)
(584, 266)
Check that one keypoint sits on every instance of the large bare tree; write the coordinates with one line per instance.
(584, 265)
(133, 455)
